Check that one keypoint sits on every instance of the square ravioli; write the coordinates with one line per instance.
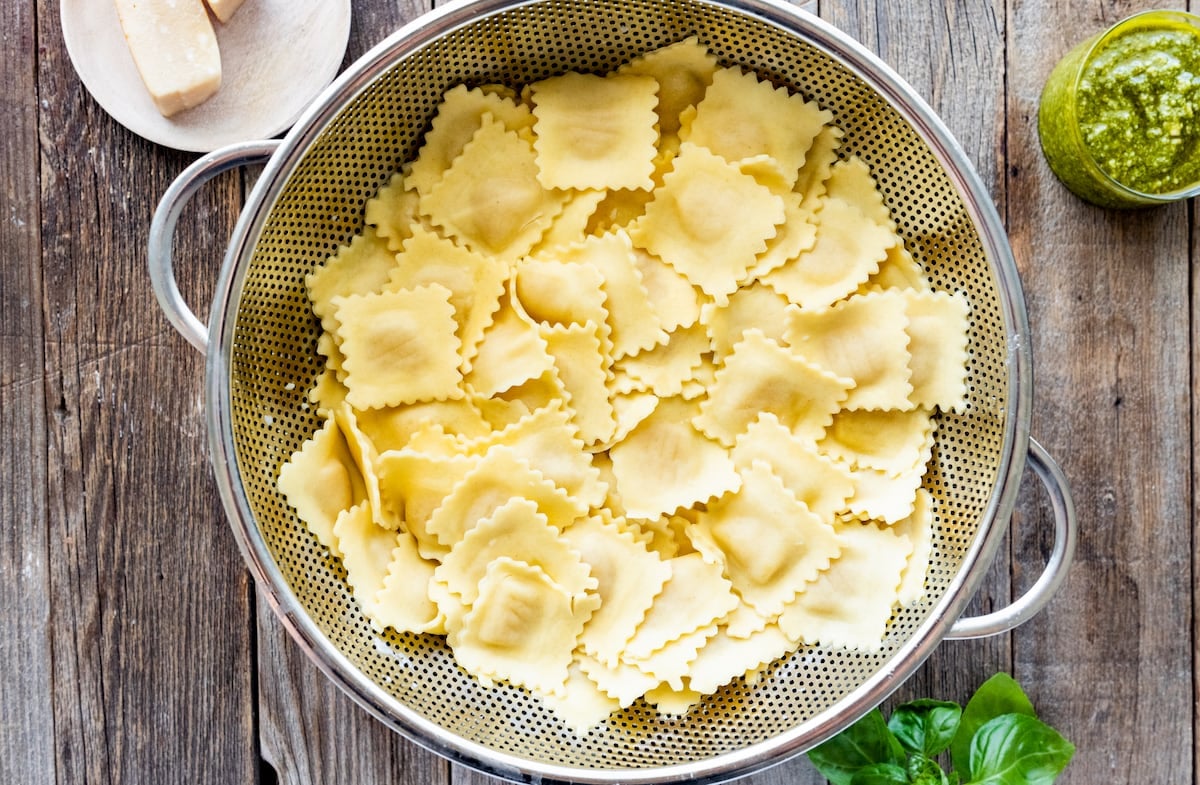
(491, 198)
(321, 480)
(459, 117)
(594, 131)
(629, 578)
(851, 340)
(362, 267)
(709, 221)
(476, 282)
(742, 116)
(517, 529)
(510, 353)
(399, 347)
(394, 212)
(761, 376)
(632, 321)
(850, 603)
(683, 70)
(846, 252)
(521, 629)
(665, 463)
(769, 543)
(821, 482)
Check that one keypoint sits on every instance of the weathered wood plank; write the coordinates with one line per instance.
(150, 612)
(1108, 301)
(26, 719)
(1193, 260)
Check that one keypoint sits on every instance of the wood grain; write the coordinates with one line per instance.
(1108, 301)
(26, 717)
(150, 619)
(1193, 259)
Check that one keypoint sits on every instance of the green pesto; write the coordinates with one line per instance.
(1138, 103)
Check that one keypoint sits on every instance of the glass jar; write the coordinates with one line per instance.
(1119, 117)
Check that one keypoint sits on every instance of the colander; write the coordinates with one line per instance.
(261, 360)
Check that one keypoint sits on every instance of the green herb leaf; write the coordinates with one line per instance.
(864, 743)
(995, 740)
(1017, 749)
(923, 770)
(925, 726)
(997, 696)
(880, 774)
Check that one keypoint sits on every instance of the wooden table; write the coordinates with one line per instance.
(132, 646)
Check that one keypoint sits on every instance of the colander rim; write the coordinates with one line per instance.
(336, 666)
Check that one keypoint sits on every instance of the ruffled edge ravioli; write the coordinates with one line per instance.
(684, 70)
(630, 388)
(362, 267)
(822, 483)
(459, 117)
(629, 577)
(595, 131)
(851, 602)
(394, 212)
(709, 221)
(742, 116)
(320, 481)
(521, 629)
(850, 339)
(399, 347)
(847, 251)
(768, 542)
(476, 282)
(491, 198)
(760, 375)
(666, 463)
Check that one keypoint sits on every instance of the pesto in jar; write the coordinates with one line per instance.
(1138, 105)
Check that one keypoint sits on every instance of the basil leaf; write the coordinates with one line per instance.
(880, 774)
(923, 770)
(925, 726)
(1016, 749)
(866, 742)
(998, 695)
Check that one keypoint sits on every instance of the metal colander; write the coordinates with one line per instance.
(263, 360)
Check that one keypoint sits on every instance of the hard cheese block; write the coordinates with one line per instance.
(175, 49)
(224, 9)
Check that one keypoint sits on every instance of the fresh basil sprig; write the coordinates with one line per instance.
(996, 739)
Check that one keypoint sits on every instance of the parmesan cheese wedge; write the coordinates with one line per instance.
(224, 9)
(175, 49)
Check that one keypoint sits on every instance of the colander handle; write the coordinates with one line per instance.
(166, 216)
(1065, 533)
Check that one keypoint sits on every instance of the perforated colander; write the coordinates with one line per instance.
(263, 359)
